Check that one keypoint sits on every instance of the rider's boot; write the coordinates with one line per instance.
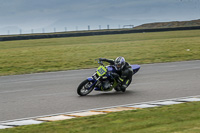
(117, 88)
(123, 88)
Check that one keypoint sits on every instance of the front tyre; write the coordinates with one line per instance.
(85, 88)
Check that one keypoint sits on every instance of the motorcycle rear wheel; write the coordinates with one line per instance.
(84, 88)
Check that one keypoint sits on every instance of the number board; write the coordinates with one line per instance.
(101, 71)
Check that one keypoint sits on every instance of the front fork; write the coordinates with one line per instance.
(96, 82)
(93, 82)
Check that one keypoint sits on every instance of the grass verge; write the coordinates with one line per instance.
(43, 55)
(182, 118)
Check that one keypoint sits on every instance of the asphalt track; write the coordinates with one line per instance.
(31, 95)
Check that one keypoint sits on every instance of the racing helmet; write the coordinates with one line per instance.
(119, 63)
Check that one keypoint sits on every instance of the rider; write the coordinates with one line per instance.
(123, 71)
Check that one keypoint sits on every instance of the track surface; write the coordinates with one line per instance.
(32, 95)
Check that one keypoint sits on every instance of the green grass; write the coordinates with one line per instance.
(182, 118)
(43, 55)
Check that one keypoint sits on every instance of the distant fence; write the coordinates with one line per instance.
(90, 33)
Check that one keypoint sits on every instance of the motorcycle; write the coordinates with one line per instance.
(104, 79)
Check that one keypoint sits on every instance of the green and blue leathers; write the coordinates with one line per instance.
(104, 79)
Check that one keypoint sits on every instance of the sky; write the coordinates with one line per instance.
(31, 16)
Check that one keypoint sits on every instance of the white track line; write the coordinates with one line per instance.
(149, 102)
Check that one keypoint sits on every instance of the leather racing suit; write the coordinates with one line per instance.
(123, 76)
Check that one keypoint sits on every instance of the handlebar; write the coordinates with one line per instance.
(99, 61)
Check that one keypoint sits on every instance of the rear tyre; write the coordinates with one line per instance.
(84, 88)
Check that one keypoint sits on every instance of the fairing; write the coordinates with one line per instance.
(110, 69)
(135, 68)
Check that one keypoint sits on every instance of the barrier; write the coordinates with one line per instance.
(91, 33)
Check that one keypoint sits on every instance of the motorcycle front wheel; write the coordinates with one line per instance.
(85, 88)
